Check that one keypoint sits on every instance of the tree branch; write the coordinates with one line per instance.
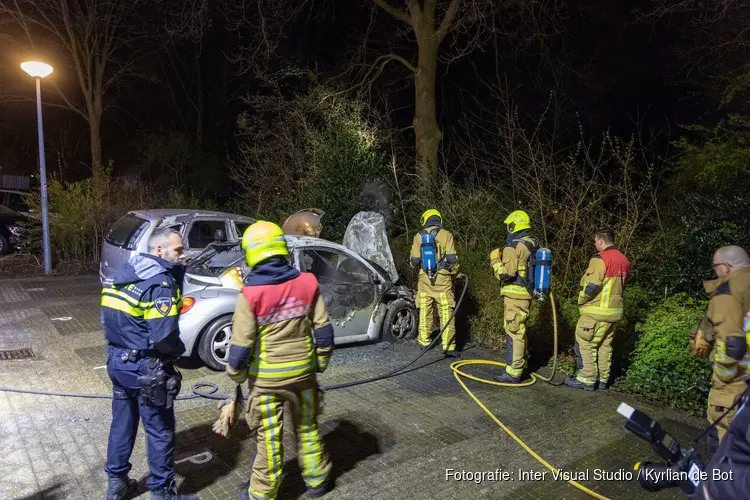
(445, 25)
(398, 14)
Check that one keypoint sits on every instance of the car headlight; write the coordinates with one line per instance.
(18, 231)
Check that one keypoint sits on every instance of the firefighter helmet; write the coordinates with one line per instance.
(262, 240)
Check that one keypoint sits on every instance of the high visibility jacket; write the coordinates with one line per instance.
(726, 314)
(513, 268)
(273, 343)
(140, 306)
(602, 286)
(447, 259)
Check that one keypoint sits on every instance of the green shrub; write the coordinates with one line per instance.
(661, 366)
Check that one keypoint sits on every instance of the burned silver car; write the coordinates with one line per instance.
(364, 302)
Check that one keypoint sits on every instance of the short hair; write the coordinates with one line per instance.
(606, 235)
(160, 236)
(734, 255)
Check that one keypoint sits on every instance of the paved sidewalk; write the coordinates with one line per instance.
(392, 439)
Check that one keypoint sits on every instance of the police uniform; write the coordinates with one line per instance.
(281, 339)
(728, 471)
(512, 269)
(438, 292)
(139, 312)
(600, 305)
(723, 329)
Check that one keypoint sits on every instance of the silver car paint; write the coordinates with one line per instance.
(113, 257)
(212, 300)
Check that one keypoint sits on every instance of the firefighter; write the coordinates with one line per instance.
(436, 291)
(281, 339)
(511, 267)
(600, 305)
(139, 314)
(722, 332)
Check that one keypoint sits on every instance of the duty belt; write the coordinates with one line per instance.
(134, 355)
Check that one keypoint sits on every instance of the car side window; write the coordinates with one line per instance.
(202, 233)
(334, 267)
(241, 227)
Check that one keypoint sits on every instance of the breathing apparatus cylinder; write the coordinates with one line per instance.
(429, 254)
(542, 266)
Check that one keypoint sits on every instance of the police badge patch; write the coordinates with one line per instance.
(163, 305)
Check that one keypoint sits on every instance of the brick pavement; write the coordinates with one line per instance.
(390, 439)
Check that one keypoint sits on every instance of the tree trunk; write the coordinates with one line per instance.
(426, 128)
(95, 135)
(199, 101)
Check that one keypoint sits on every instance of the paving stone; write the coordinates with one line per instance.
(74, 319)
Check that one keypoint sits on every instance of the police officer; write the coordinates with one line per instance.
(140, 307)
(281, 339)
(438, 291)
(727, 474)
(510, 266)
(722, 334)
(600, 305)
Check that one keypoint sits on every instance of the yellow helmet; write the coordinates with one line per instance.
(517, 221)
(262, 240)
(429, 213)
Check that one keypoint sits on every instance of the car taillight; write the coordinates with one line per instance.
(187, 304)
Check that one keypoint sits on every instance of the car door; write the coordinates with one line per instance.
(346, 285)
(201, 233)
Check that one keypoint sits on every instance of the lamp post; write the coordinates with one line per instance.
(40, 70)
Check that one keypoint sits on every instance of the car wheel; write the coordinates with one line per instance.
(4, 245)
(401, 321)
(213, 348)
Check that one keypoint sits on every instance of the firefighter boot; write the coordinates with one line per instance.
(320, 490)
(169, 492)
(577, 384)
(120, 488)
(506, 378)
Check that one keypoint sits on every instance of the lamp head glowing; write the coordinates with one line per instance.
(36, 69)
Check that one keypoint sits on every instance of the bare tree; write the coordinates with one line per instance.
(87, 42)
(464, 25)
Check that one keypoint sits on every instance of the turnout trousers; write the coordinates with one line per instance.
(593, 349)
(265, 418)
(159, 423)
(436, 295)
(515, 314)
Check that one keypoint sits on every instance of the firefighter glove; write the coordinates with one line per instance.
(699, 346)
(229, 413)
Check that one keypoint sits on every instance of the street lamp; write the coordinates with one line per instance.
(40, 70)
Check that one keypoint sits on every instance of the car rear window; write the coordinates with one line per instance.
(125, 232)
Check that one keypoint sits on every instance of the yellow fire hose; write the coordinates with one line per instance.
(456, 367)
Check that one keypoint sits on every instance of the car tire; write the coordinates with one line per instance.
(401, 322)
(4, 245)
(213, 347)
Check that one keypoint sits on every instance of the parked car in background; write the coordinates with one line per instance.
(198, 228)
(363, 302)
(12, 235)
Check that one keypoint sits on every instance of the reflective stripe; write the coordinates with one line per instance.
(270, 242)
(118, 304)
(154, 313)
(602, 311)
(606, 291)
(323, 362)
(284, 314)
(584, 380)
(516, 290)
(522, 271)
(279, 370)
(513, 372)
(310, 442)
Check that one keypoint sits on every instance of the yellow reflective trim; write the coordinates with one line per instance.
(118, 304)
(119, 294)
(584, 380)
(154, 313)
(601, 311)
(513, 372)
(606, 292)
